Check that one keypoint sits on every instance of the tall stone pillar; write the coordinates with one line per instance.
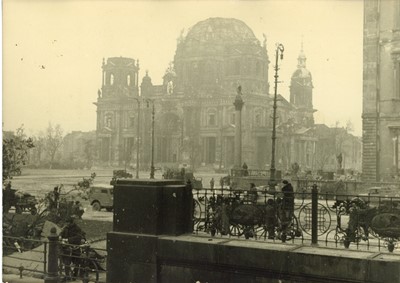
(238, 127)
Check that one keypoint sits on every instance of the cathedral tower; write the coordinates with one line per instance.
(117, 111)
(301, 90)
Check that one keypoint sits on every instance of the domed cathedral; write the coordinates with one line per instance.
(196, 119)
(194, 110)
(116, 109)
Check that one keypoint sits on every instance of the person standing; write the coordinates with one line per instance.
(252, 193)
(288, 199)
(270, 218)
(245, 169)
(71, 236)
(212, 184)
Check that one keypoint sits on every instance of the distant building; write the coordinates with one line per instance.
(336, 143)
(381, 90)
(78, 149)
(194, 111)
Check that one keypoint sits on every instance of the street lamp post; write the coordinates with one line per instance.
(138, 139)
(238, 127)
(152, 169)
(272, 180)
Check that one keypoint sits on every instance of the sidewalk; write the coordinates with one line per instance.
(14, 278)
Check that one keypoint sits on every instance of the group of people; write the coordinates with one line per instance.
(281, 208)
(61, 207)
(223, 181)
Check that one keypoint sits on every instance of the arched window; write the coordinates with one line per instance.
(211, 118)
(170, 87)
(108, 120)
(128, 80)
(258, 120)
(131, 121)
(111, 79)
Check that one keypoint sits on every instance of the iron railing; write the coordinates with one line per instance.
(360, 221)
(14, 248)
(86, 262)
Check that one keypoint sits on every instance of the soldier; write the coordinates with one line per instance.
(288, 199)
(72, 236)
(212, 184)
(77, 209)
(8, 196)
(245, 169)
(221, 182)
(270, 218)
(252, 193)
(53, 199)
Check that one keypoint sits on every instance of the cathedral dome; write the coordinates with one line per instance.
(221, 30)
(301, 73)
(217, 53)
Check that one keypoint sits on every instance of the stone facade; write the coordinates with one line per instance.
(194, 107)
(117, 110)
(381, 90)
(78, 149)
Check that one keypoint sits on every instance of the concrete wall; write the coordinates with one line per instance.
(191, 258)
(152, 241)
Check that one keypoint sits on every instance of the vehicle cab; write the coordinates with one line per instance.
(101, 196)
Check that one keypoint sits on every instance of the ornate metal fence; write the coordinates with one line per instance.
(360, 221)
(54, 260)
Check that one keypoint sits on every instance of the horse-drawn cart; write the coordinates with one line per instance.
(20, 200)
(240, 215)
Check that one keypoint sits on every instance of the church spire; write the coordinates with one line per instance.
(301, 60)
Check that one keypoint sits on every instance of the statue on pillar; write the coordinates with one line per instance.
(265, 41)
(239, 90)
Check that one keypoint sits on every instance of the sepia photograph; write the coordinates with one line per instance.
(201, 141)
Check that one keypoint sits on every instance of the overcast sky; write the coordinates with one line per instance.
(53, 51)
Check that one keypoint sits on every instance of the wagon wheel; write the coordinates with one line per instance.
(18, 209)
(96, 206)
(260, 231)
(196, 211)
(33, 210)
(294, 230)
(236, 230)
(248, 232)
(92, 271)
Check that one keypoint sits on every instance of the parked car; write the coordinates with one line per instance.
(101, 196)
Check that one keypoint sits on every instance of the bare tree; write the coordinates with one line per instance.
(53, 141)
(39, 149)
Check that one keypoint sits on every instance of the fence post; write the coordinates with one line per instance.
(52, 270)
(314, 215)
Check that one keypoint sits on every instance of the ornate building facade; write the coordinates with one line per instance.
(194, 111)
(381, 90)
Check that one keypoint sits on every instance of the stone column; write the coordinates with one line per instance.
(238, 127)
